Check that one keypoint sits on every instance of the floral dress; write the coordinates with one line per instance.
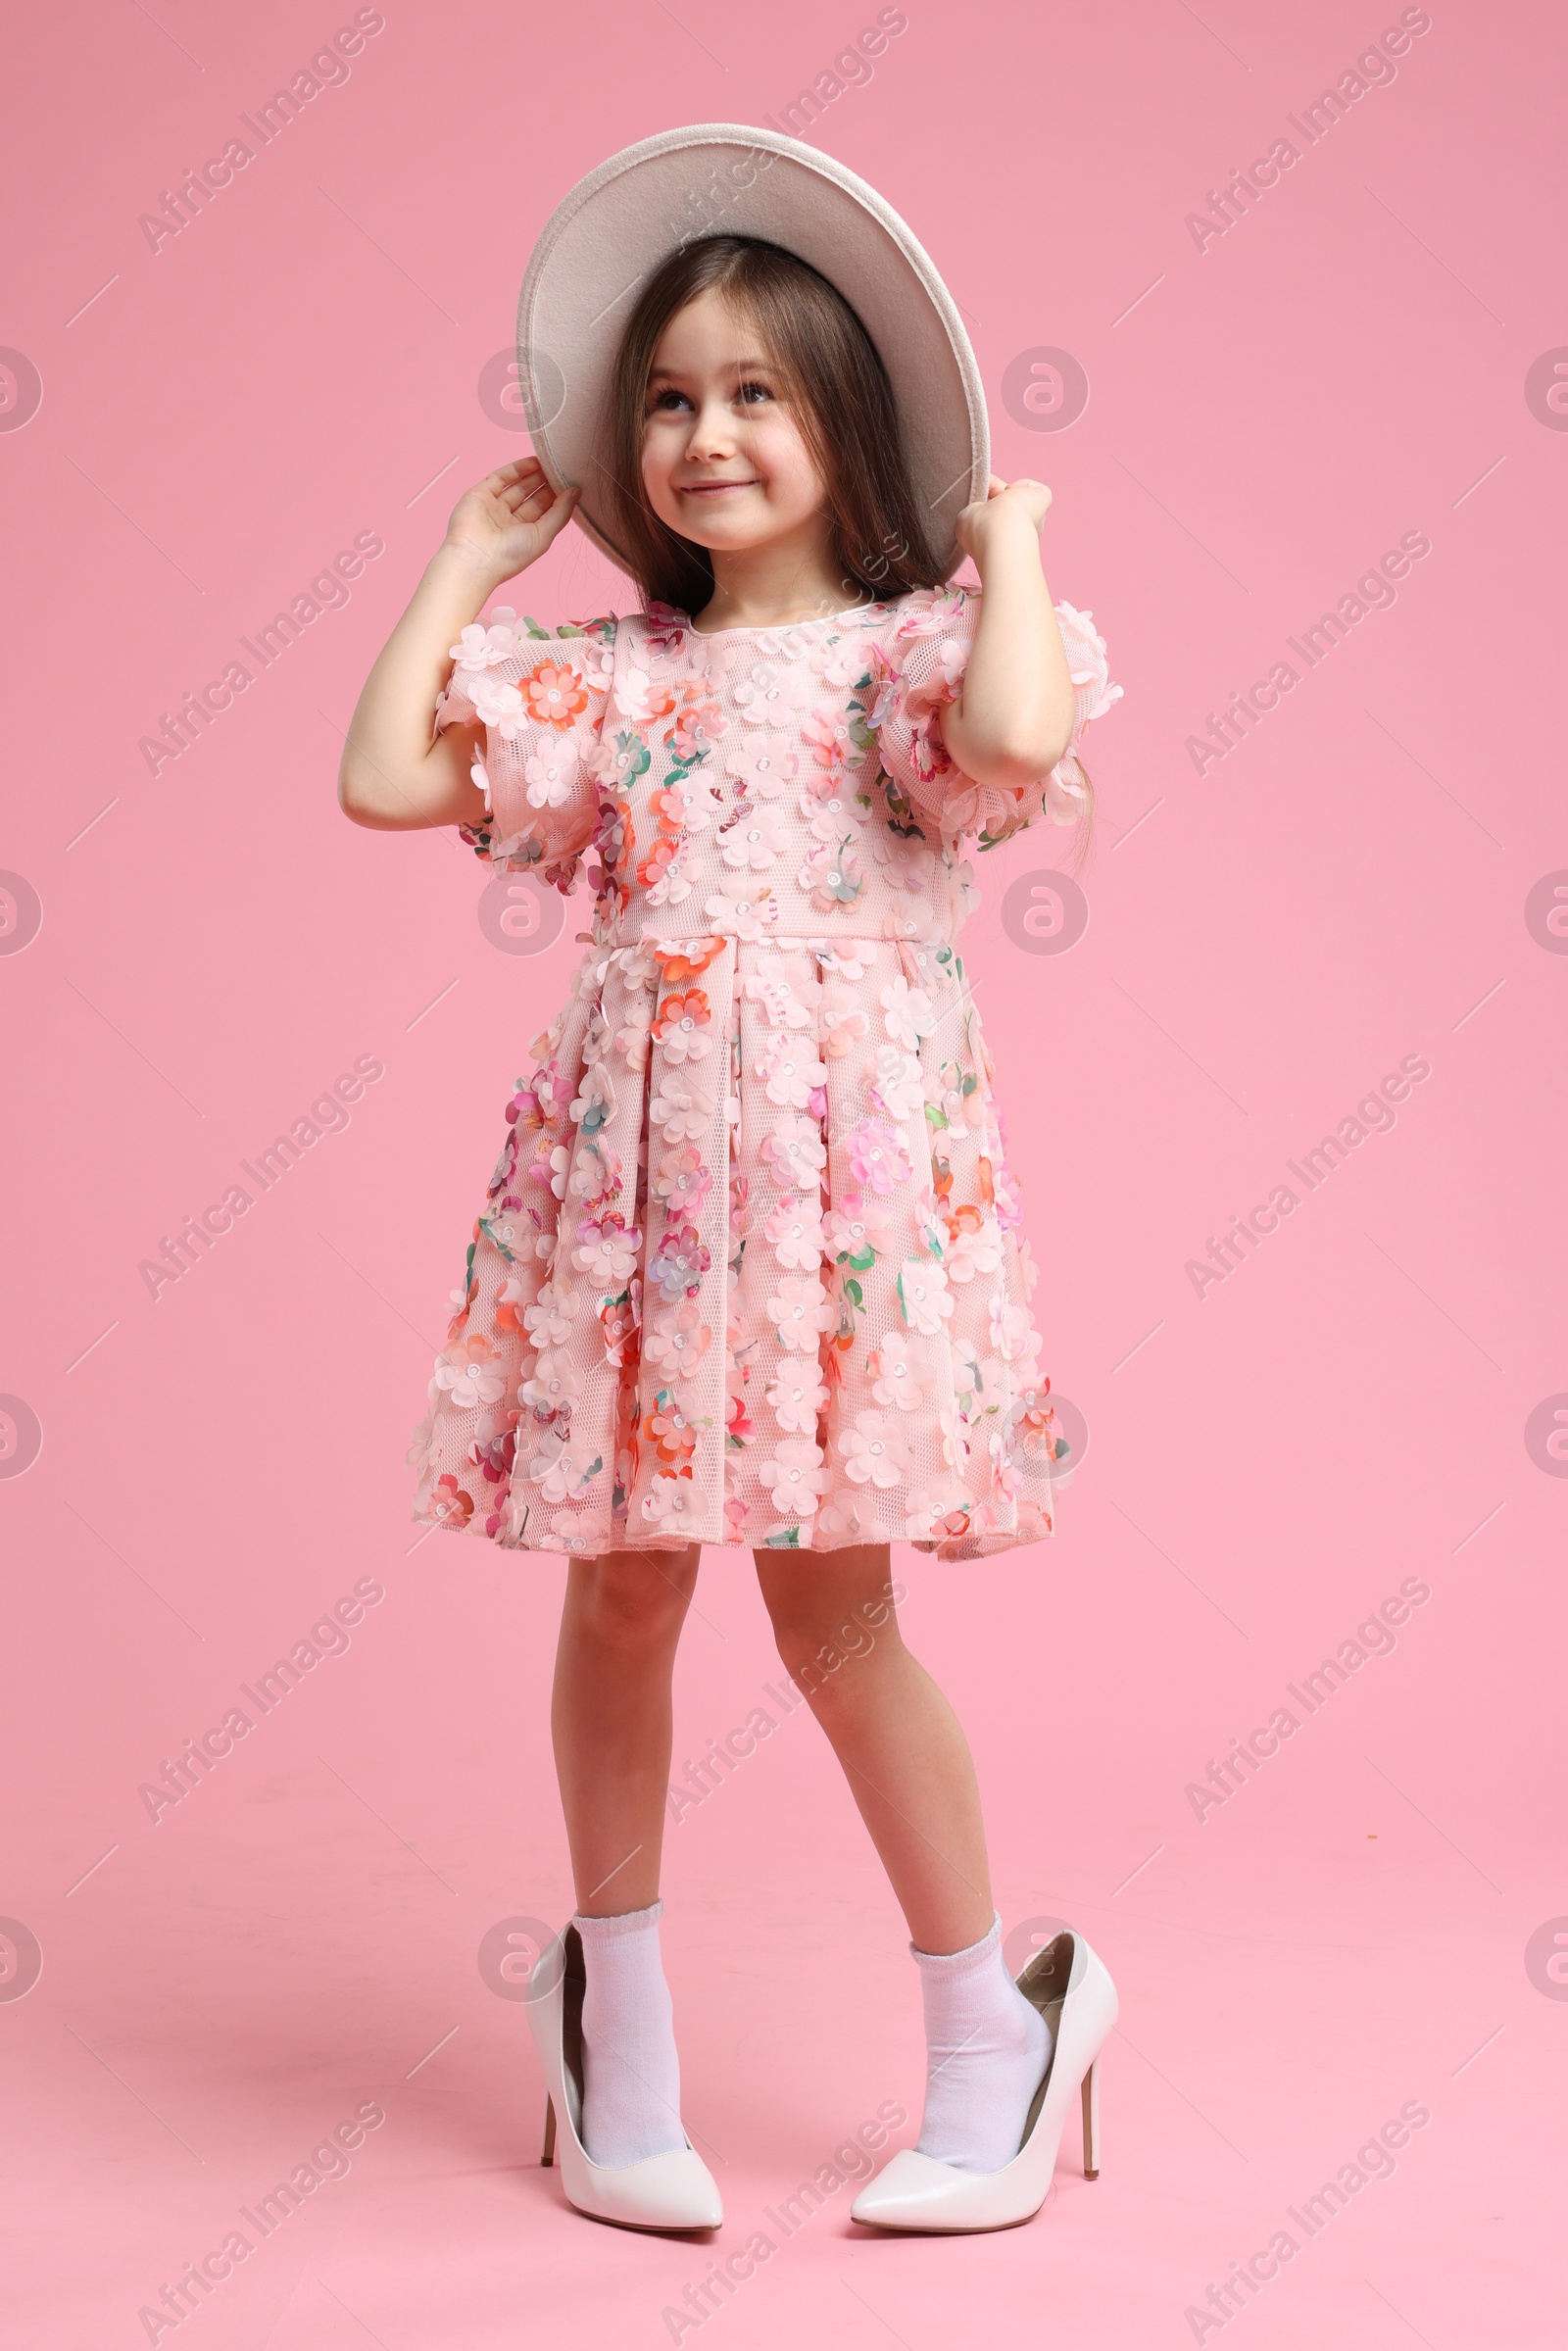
(749, 1270)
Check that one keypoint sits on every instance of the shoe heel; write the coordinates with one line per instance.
(547, 2153)
(1088, 2092)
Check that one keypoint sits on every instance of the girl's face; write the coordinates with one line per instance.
(723, 460)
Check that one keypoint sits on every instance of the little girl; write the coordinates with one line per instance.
(748, 1272)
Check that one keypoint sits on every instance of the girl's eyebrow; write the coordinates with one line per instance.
(750, 367)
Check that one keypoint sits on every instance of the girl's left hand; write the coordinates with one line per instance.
(1004, 505)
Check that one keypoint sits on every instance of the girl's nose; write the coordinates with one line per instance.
(713, 431)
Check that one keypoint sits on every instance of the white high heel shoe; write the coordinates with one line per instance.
(1073, 1992)
(676, 2190)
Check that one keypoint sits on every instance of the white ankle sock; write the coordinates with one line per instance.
(986, 2049)
(631, 2073)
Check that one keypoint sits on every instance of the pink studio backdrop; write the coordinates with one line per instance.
(1355, 882)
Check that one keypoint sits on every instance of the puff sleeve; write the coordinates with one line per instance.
(924, 669)
(541, 702)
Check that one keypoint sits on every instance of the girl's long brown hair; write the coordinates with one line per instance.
(833, 377)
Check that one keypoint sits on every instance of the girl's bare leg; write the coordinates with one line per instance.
(910, 1768)
(902, 1750)
(610, 1718)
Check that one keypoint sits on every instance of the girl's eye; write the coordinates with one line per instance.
(668, 399)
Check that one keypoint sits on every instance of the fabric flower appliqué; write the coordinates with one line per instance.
(682, 1025)
(790, 1073)
(639, 700)
(1011, 1334)
(553, 1387)
(681, 1181)
(681, 1109)
(828, 812)
(665, 872)
(557, 1470)
(935, 1515)
(899, 1084)
(974, 1246)
(549, 774)
(874, 1453)
(858, 1233)
(479, 649)
(779, 998)
(668, 1431)
(795, 1477)
(877, 1157)
(697, 726)
(686, 806)
(450, 1503)
(833, 877)
(606, 1249)
(797, 1398)
(907, 1013)
(828, 734)
(759, 694)
(763, 762)
(848, 958)
(846, 1517)
(796, 1233)
(497, 705)
(753, 842)
(680, 1262)
(840, 661)
(743, 916)
(471, 1372)
(555, 694)
(549, 1318)
(631, 1042)
(924, 1296)
(902, 1370)
(677, 1341)
(670, 1501)
(843, 1024)
(800, 1309)
(793, 1155)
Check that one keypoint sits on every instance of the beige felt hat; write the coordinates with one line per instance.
(605, 239)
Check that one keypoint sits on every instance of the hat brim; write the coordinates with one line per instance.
(607, 237)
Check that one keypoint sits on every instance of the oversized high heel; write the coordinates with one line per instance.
(673, 2191)
(1074, 1993)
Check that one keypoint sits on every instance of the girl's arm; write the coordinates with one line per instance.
(1014, 716)
(394, 775)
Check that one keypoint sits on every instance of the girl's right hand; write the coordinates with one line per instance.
(505, 521)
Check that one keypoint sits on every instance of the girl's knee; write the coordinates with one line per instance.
(813, 1650)
(625, 1601)
(821, 1631)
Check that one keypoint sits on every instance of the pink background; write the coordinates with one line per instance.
(1347, 1410)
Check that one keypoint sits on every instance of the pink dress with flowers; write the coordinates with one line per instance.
(749, 1269)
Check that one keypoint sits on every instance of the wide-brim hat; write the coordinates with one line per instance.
(607, 237)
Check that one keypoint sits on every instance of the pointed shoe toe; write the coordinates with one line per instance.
(915, 2191)
(673, 2191)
